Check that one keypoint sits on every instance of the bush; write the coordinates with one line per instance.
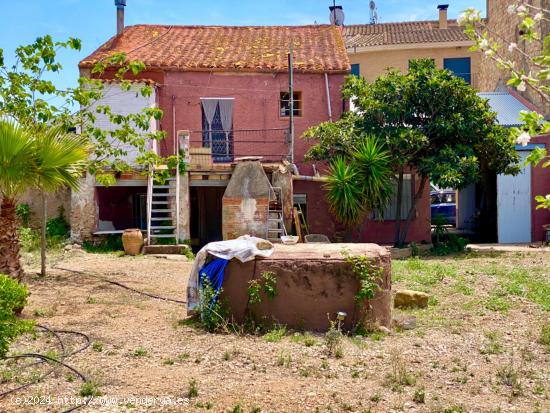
(23, 212)
(13, 297)
(443, 242)
(112, 243)
(58, 226)
(29, 239)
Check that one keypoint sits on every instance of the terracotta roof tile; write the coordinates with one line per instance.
(371, 35)
(318, 48)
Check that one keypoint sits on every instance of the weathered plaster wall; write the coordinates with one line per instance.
(55, 201)
(245, 202)
(312, 281)
(84, 211)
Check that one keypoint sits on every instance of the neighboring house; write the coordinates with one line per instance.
(373, 48)
(517, 219)
(504, 28)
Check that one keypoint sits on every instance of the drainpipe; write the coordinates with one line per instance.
(310, 178)
(329, 104)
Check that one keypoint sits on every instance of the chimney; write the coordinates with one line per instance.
(120, 4)
(443, 22)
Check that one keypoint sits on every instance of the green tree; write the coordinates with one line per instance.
(431, 122)
(44, 161)
(30, 97)
(527, 65)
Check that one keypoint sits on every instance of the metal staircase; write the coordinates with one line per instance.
(163, 206)
(275, 215)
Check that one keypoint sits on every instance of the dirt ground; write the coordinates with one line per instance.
(471, 350)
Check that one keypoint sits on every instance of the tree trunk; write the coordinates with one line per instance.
(412, 211)
(43, 235)
(397, 236)
(9, 241)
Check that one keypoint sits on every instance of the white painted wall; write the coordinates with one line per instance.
(124, 103)
(514, 202)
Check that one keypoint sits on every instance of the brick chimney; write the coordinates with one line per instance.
(443, 20)
(120, 5)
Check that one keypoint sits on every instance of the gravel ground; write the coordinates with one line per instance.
(461, 357)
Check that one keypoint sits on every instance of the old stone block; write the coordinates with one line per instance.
(410, 299)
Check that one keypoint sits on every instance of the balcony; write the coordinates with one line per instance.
(219, 147)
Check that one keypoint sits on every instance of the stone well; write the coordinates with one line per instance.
(313, 280)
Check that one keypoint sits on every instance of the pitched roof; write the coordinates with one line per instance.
(318, 48)
(506, 106)
(384, 34)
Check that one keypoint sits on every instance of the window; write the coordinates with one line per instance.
(460, 66)
(391, 210)
(285, 104)
(217, 126)
(356, 69)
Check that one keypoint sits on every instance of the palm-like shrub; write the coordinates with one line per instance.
(44, 160)
(360, 182)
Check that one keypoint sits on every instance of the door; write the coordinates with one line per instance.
(460, 66)
(514, 203)
(206, 215)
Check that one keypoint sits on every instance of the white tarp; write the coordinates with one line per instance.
(245, 248)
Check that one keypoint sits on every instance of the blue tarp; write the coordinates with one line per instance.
(213, 272)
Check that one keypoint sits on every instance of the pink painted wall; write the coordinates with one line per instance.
(540, 185)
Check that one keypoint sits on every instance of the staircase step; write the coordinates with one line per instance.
(161, 219)
(166, 211)
(167, 194)
(161, 203)
(163, 235)
(163, 187)
(163, 227)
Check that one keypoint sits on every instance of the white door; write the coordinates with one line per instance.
(514, 201)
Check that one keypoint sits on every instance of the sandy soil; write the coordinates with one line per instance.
(143, 350)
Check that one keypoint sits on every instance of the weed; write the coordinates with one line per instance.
(544, 337)
(508, 375)
(140, 352)
(70, 378)
(39, 312)
(355, 374)
(375, 398)
(97, 346)
(333, 339)
(90, 389)
(399, 375)
(367, 272)
(284, 359)
(497, 302)
(207, 405)
(168, 362)
(339, 353)
(213, 314)
(237, 409)
(419, 396)
(193, 389)
(183, 356)
(309, 340)
(492, 346)
(256, 409)
(266, 284)
(276, 334)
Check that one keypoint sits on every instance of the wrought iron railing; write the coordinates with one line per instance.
(272, 145)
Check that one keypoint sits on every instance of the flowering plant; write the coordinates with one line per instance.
(535, 51)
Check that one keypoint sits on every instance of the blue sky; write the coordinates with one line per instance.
(93, 21)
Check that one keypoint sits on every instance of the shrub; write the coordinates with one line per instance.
(23, 212)
(112, 243)
(58, 226)
(29, 239)
(443, 242)
(13, 297)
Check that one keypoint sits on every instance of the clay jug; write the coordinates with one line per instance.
(132, 240)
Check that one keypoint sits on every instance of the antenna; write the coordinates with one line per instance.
(373, 13)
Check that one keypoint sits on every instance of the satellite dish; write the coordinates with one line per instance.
(337, 15)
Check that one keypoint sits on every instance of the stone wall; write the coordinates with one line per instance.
(55, 202)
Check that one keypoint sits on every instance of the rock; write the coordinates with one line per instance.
(410, 299)
(405, 323)
(384, 330)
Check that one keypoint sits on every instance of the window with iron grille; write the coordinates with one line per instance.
(284, 104)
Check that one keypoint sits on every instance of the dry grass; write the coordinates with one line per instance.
(481, 345)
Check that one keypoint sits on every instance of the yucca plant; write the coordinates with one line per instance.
(45, 160)
(360, 182)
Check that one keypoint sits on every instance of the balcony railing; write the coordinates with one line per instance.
(272, 145)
